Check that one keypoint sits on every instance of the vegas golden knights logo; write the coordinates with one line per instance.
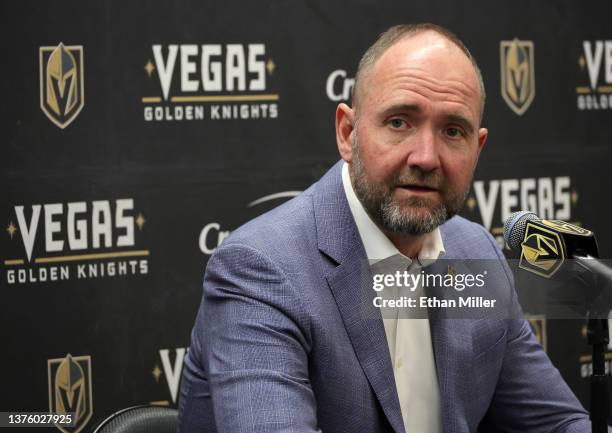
(517, 74)
(542, 251)
(61, 83)
(70, 390)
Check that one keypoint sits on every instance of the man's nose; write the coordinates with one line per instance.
(423, 151)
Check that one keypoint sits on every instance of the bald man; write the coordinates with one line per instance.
(288, 340)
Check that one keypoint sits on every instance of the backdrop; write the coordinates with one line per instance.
(137, 135)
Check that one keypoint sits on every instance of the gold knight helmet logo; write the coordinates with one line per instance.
(542, 251)
(62, 83)
(70, 390)
(517, 74)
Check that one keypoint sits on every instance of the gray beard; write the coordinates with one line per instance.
(408, 217)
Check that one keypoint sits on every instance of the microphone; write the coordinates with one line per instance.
(546, 244)
(551, 246)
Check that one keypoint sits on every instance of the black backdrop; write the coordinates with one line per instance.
(246, 120)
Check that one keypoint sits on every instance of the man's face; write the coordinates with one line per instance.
(416, 140)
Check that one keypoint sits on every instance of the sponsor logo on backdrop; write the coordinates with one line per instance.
(209, 82)
(62, 83)
(517, 74)
(212, 235)
(595, 63)
(339, 87)
(70, 390)
(76, 240)
(172, 362)
(494, 200)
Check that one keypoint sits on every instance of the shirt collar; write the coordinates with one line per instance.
(376, 244)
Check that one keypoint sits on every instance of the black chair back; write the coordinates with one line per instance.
(140, 419)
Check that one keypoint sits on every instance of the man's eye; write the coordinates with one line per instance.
(453, 132)
(397, 123)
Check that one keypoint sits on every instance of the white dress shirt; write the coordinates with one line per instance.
(409, 340)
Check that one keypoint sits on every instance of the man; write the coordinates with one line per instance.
(284, 340)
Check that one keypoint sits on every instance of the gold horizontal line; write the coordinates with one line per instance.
(133, 253)
(583, 89)
(589, 358)
(13, 262)
(604, 89)
(160, 403)
(225, 98)
(150, 99)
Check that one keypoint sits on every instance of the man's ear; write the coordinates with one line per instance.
(483, 133)
(345, 124)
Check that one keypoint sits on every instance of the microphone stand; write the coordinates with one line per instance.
(598, 338)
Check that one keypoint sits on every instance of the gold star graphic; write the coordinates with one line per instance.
(140, 220)
(149, 68)
(270, 66)
(156, 372)
(471, 202)
(574, 197)
(11, 229)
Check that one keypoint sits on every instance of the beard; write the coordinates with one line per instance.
(408, 216)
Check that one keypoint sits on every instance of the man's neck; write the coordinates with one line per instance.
(408, 245)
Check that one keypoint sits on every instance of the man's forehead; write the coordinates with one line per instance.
(417, 45)
(426, 55)
(427, 49)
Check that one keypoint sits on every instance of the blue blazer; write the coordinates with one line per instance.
(281, 344)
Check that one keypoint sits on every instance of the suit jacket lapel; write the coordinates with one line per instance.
(363, 323)
(338, 238)
(452, 344)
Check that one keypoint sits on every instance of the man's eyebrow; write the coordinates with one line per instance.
(401, 108)
(463, 121)
(460, 119)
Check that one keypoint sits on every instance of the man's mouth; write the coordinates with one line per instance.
(417, 188)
